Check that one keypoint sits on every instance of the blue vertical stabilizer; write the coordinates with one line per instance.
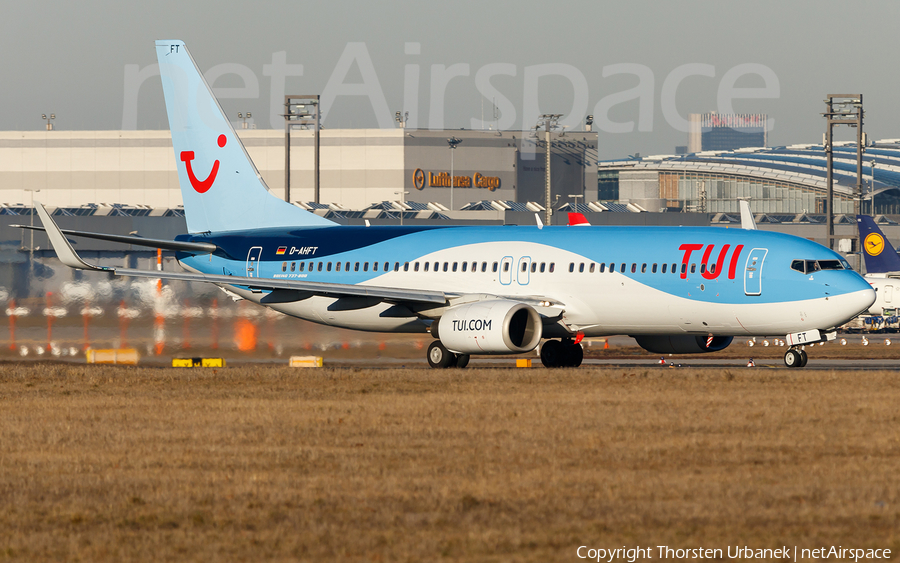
(877, 251)
(222, 189)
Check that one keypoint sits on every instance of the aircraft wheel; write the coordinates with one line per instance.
(462, 360)
(574, 355)
(804, 357)
(438, 356)
(792, 359)
(552, 354)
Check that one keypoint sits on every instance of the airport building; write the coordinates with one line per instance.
(357, 167)
(788, 180)
(719, 131)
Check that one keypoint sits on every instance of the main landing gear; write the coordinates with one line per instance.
(440, 357)
(561, 354)
(795, 358)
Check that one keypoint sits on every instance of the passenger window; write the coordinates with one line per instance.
(474, 267)
(552, 266)
(464, 266)
(533, 267)
(425, 269)
(664, 268)
(524, 266)
(328, 267)
(674, 268)
(405, 266)
(623, 267)
(365, 266)
(293, 266)
(634, 268)
(602, 268)
(571, 267)
(683, 269)
(445, 266)
(416, 267)
(506, 266)
(592, 267)
(454, 266)
(437, 266)
(643, 268)
(337, 267)
(284, 266)
(396, 266)
(320, 267)
(542, 267)
(302, 265)
(494, 268)
(484, 266)
(693, 268)
(702, 268)
(581, 268)
(653, 269)
(387, 266)
(374, 266)
(356, 267)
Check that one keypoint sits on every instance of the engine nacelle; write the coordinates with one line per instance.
(489, 327)
(682, 343)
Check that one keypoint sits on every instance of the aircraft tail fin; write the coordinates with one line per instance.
(877, 251)
(221, 188)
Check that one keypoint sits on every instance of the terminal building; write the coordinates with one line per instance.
(788, 180)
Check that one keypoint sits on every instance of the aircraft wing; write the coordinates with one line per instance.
(69, 257)
(137, 241)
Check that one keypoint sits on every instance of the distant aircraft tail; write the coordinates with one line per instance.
(877, 251)
(222, 189)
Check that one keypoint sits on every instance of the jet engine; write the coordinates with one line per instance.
(489, 327)
(682, 343)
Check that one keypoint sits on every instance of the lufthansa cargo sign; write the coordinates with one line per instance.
(442, 180)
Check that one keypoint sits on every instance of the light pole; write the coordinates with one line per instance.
(452, 142)
(548, 121)
(31, 230)
(296, 113)
(575, 197)
(47, 119)
(402, 204)
(401, 118)
(245, 117)
(872, 191)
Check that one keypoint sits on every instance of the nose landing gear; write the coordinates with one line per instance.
(795, 358)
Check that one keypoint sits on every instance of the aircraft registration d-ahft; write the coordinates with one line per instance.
(480, 290)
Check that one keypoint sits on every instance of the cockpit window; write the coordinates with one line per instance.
(830, 265)
(810, 266)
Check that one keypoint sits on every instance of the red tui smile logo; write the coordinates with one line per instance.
(202, 186)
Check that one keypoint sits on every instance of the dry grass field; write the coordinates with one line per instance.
(272, 464)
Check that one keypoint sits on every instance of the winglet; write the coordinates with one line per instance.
(747, 221)
(537, 218)
(64, 250)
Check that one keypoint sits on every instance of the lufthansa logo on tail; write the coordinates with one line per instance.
(202, 186)
(874, 244)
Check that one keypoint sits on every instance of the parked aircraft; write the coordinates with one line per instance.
(480, 290)
(882, 265)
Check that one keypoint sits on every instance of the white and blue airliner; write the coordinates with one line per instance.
(480, 290)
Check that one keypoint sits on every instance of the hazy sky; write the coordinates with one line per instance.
(71, 58)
